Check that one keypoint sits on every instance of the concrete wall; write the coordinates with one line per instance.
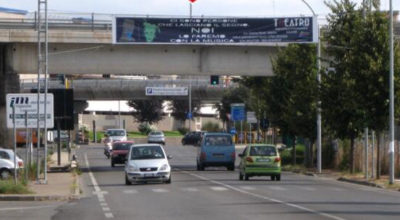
(104, 122)
(149, 59)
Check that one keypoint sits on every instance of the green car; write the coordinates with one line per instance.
(260, 160)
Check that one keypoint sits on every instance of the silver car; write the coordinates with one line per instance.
(117, 134)
(156, 137)
(147, 162)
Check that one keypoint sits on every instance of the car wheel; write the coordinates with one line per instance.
(278, 177)
(201, 166)
(5, 174)
(272, 177)
(169, 180)
(112, 163)
(127, 182)
(240, 176)
(246, 177)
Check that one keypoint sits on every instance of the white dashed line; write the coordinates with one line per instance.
(100, 194)
(218, 188)
(160, 190)
(130, 191)
(190, 189)
(248, 188)
(265, 197)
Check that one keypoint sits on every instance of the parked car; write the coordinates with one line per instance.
(117, 134)
(119, 152)
(192, 138)
(216, 149)
(147, 162)
(156, 137)
(260, 160)
(7, 163)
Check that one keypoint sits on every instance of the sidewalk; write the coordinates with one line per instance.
(61, 186)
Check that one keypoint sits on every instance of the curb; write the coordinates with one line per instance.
(37, 198)
(343, 179)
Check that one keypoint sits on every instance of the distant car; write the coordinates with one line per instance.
(216, 149)
(7, 163)
(119, 152)
(260, 160)
(156, 137)
(192, 138)
(147, 162)
(117, 134)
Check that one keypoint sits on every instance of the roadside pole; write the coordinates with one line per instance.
(15, 146)
(26, 145)
(366, 152)
(373, 153)
(391, 96)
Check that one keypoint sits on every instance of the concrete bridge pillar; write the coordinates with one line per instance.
(9, 83)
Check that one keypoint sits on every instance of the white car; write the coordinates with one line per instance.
(156, 137)
(147, 162)
(117, 134)
(7, 163)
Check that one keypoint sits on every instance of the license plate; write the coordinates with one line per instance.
(148, 175)
(263, 160)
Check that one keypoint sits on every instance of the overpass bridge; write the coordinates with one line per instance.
(128, 89)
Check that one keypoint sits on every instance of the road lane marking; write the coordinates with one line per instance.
(160, 190)
(218, 188)
(190, 189)
(130, 191)
(337, 189)
(109, 215)
(100, 194)
(247, 187)
(306, 188)
(264, 197)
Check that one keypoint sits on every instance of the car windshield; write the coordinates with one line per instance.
(262, 151)
(116, 133)
(156, 133)
(147, 152)
(215, 140)
(122, 146)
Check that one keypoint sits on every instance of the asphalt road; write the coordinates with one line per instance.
(217, 194)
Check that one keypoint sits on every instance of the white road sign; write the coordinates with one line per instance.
(167, 91)
(251, 117)
(27, 102)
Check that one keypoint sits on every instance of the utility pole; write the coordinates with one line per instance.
(391, 109)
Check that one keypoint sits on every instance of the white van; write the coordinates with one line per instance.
(7, 163)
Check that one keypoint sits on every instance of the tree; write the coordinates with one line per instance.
(180, 108)
(147, 111)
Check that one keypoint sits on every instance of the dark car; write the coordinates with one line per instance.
(119, 152)
(192, 138)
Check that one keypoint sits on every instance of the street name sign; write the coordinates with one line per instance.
(251, 117)
(27, 102)
(167, 91)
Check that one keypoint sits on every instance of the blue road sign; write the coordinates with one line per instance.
(189, 115)
(233, 130)
(238, 112)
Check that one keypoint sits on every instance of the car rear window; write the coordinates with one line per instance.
(215, 140)
(116, 133)
(147, 152)
(156, 133)
(122, 146)
(262, 151)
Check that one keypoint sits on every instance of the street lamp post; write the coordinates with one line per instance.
(319, 130)
(391, 108)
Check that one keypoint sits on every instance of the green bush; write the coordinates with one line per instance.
(286, 155)
(210, 126)
(183, 130)
(145, 128)
(8, 187)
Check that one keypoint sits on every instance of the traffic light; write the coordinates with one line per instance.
(214, 80)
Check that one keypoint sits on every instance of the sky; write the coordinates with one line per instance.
(240, 8)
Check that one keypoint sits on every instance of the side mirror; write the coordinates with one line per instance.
(169, 157)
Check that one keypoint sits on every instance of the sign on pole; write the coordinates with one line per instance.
(214, 30)
(27, 103)
(166, 91)
(238, 112)
(251, 118)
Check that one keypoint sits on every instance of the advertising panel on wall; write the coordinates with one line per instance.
(145, 30)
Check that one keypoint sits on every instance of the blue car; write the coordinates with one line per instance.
(216, 149)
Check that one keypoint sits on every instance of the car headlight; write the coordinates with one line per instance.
(164, 167)
(132, 168)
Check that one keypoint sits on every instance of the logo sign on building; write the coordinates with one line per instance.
(144, 30)
(251, 117)
(238, 112)
(27, 102)
(167, 91)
